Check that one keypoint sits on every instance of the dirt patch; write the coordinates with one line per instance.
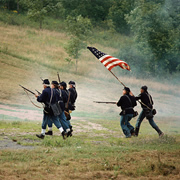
(20, 113)
(7, 143)
(89, 126)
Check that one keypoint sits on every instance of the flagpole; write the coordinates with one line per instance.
(117, 78)
(125, 86)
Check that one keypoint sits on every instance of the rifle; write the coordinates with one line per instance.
(58, 77)
(37, 91)
(101, 102)
(41, 79)
(27, 89)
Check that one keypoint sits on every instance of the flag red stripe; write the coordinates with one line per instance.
(106, 58)
(120, 64)
(113, 61)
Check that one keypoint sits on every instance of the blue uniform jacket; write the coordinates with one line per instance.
(46, 95)
(146, 98)
(62, 97)
(73, 95)
(127, 104)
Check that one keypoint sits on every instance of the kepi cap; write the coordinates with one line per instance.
(72, 83)
(54, 82)
(145, 88)
(46, 82)
(127, 89)
(63, 84)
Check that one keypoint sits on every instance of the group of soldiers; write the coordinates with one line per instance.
(58, 94)
(127, 102)
(64, 99)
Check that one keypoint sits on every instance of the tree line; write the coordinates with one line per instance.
(154, 26)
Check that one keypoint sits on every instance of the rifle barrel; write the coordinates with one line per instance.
(58, 77)
(27, 89)
(37, 91)
(101, 102)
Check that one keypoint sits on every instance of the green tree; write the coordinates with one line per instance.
(79, 29)
(9, 4)
(117, 13)
(95, 10)
(38, 9)
(155, 25)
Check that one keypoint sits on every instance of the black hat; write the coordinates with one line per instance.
(54, 82)
(144, 88)
(72, 83)
(46, 82)
(126, 89)
(63, 84)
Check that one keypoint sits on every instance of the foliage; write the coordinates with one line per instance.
(117, 13)
(9, 4)
(96, 10)
(155, 25)
(37, 9)
(79, 29)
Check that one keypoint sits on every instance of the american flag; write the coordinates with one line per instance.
(109, 61)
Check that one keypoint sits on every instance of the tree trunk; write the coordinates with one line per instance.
(40, 24)
(18, 6)
(8, 5)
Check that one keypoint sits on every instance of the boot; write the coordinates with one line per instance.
(133, 132)
(159, 131)
(71, 129)
(41, 136)
(63, 134)
(136, 131)
(161, 135)
(69, 134)
(50, 133)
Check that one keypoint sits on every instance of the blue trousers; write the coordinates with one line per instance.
(151, 122)
(125, 125)
(49, 118)
(69, 123)
(62, 120)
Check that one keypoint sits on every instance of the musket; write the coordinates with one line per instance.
(58, 77)
(37, 91)
(41, 79)
(27, 89)
(102, 102)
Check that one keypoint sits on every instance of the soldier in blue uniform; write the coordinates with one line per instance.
(127, 103)
(68, 106)
(49, 96)
(73, 95)
(147, 101)
(62, 99)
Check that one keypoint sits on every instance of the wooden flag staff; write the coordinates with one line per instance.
(131, 92)
(117, 78)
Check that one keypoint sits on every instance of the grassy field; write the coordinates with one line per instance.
(26, 54)
(98, 149)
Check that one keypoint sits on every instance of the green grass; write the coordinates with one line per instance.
(95, 154)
